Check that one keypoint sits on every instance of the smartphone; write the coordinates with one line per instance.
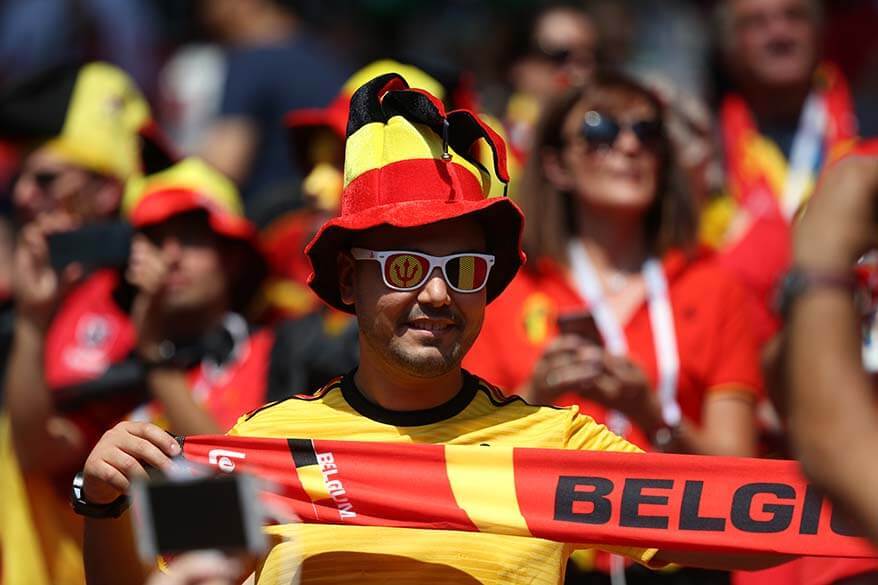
(580, 323)
(100, 245)
(173, 516)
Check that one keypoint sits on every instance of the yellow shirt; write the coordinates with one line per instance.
(366, 555)
(40, 536)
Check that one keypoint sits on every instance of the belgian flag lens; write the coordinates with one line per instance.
(467, 272)
(405, 271)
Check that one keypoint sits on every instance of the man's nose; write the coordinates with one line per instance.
(435, 291)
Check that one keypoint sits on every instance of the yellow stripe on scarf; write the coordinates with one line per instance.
(483, 483)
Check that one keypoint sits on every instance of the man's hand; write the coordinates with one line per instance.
(36, 286)
(622, 386)
(147, 270)
(573, 364)
(839, 224)
(121, 456)
(200, 568)
(568, 363)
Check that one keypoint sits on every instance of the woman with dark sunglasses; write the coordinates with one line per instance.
(618, 310)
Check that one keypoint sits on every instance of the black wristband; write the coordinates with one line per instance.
(798, 281)
(88, 509)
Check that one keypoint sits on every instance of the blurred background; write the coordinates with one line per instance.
(185, 55)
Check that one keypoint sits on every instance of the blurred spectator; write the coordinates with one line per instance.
(273, 65)
(561, 52)
(190, 90)
(195, 267)
(7, 309)
(690, 128)
(669, 39)
(36, 35)
(82, 126)
(673, 364)
(790, 114)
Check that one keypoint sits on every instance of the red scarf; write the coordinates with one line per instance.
(720, 504)
(756, 167)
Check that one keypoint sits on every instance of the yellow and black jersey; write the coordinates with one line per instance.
(478, 415)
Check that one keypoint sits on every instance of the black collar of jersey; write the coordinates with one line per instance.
(409, 418)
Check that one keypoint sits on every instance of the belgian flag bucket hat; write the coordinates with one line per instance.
(409, 164)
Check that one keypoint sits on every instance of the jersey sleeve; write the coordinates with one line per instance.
(732, 361)
(584, 433)
(246, 426)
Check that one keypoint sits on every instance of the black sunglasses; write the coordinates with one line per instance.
(45, 179)
(602, 130)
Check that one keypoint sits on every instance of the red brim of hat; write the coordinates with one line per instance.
(334, 116)
(501, 218)
(301, 125)
(159, 206)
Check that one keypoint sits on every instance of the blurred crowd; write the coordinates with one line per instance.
(163, 165)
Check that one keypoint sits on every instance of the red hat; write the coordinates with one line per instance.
(408, 164)
(189, 185)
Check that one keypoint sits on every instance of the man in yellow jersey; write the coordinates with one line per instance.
(416, 254)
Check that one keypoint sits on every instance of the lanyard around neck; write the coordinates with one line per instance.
(661, 317)
(804, 153)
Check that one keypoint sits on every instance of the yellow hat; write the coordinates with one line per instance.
(89, 116)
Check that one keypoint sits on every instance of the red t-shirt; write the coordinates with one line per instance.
(759, 260)
(227, 392)
(240, 386)
(89, 332)
(716, 345)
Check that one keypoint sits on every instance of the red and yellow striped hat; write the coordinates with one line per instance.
(408, 164)
(186, 186)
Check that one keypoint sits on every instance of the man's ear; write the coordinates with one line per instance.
(555, 170)
(346, 267)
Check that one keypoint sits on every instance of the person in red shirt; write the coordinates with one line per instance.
(788, 113)
(665, 354)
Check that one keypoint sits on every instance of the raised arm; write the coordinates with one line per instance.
(833, 419)
(147, 270)
(43, 441)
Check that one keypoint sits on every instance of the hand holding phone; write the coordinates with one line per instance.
(173, 516)
(99, 245)
(580, 323)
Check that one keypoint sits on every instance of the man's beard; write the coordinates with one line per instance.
(433, 365)
(422, 361)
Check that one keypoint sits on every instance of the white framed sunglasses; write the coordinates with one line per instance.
(407, 270)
